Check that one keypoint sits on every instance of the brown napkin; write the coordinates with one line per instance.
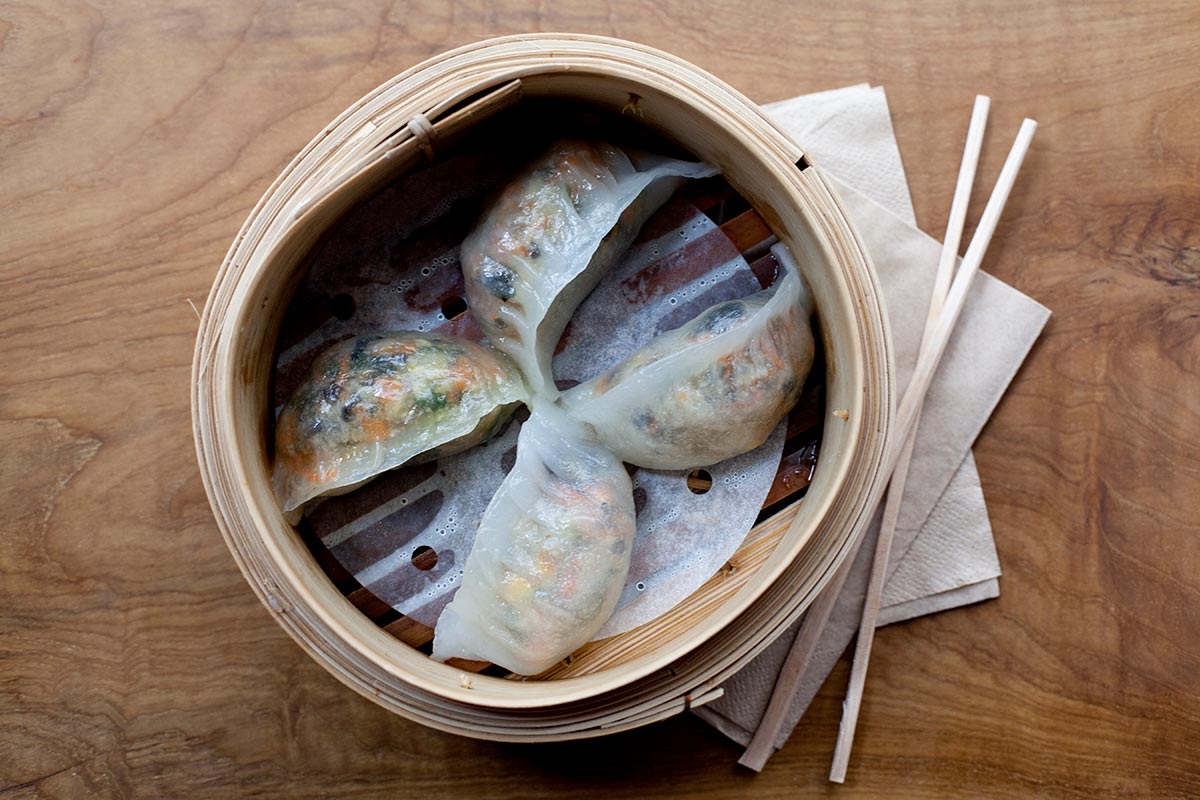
(943, 555)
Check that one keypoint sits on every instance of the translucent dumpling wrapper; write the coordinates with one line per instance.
(551, 554)
(375, 402)
(711, 389)
(550, 236)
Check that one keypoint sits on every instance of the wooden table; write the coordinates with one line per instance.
(134, 660)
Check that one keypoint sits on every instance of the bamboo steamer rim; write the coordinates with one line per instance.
(345, 157)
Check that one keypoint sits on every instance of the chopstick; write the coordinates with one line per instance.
(895, 493)
(762, 743)
(939, 326)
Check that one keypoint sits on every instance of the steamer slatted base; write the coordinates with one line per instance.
(749, 235)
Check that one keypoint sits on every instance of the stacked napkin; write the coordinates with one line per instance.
(943, 554)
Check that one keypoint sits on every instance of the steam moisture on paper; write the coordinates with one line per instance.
(393, 265)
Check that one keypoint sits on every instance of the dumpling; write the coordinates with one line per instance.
(549, 237)
(375, 402)
(551, 554)
(711, 389)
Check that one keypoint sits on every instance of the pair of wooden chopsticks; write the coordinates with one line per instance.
(949, 297)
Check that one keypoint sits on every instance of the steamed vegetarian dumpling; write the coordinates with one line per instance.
(375, 402)
(551, 555)
(550, 236)
(711, 389)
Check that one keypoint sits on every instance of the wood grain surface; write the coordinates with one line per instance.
(134, 661)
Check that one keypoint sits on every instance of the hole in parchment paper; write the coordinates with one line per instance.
(639, 499)
(699, 481)
(424, 557)
(342, 306)
(453, 307)
(641, 586)
(508, 460)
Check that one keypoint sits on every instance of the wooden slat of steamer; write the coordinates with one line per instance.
(748, 233)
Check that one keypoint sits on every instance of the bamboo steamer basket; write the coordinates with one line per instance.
(671, 663)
